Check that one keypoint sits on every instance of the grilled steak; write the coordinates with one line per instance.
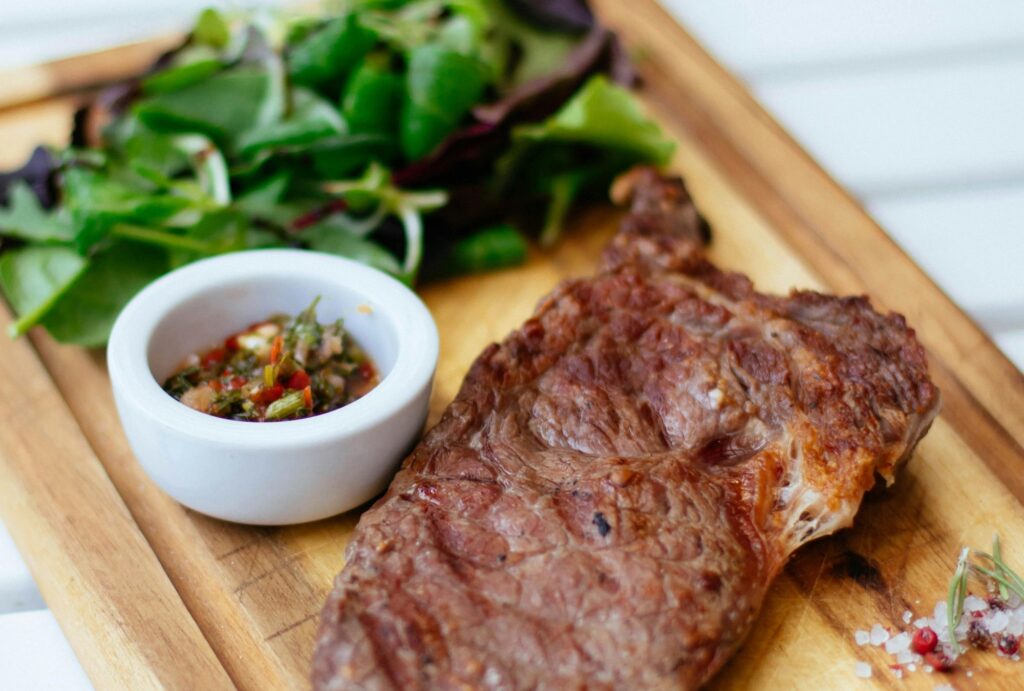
(609, 496)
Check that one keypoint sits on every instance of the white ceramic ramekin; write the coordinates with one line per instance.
(271, 473)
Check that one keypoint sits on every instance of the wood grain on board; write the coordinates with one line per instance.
(94, 566)
(27, 84)
(255, 593)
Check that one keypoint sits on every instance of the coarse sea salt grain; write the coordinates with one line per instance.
(862, 670)
(861, 637)
(878, 635)
(907, 616)
(898, 673)
(944, 687)
(974, 604)
(941, 631)
(998, 622)
(897, 643)
(921, 623)
(904, 657)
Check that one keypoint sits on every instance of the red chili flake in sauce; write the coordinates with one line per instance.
(1009, 644)
(299, 380)
(269, 394)
(924, 641)
(275, 349)
(213, 356)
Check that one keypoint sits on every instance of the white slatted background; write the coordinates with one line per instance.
(916, 106)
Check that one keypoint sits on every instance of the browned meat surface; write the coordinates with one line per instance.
(607, 499)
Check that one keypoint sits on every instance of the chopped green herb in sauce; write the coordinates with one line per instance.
(282, 368)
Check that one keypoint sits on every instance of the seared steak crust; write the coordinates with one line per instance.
(607, 499)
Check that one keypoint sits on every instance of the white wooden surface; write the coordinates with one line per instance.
(917, 106)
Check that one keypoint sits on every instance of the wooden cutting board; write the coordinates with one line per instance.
(151, 594)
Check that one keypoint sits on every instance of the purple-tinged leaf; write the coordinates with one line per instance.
(561, 15)
(37, 173)
(475, 147)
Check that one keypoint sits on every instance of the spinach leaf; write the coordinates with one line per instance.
(312, 118)
(222, 107)
(25, 219)
(339, 157)
(329, 53)
(372, 99)
(441, 87)
(85, 313)
(219, 231)
(211, 29)
(263, 199)
(603, 115)
(143, 203)
(599, 133)
(33, 278)
(143, 149)
(495, 247)
(97, 200)
(180, 76)
(321, 238)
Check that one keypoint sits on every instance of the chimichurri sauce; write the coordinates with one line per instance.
(282, 368)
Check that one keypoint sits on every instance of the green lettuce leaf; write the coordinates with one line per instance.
(322, 238)
(329, 53)
(222, 107)
(596, 135)
(603, 115)
(312, 118)
(25, 219)
(33, 278)
(86, 312)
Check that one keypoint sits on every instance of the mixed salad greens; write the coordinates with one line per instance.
(417, 136)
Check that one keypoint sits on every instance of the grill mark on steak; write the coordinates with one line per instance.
(609, 496)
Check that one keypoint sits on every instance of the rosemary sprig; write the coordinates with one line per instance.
(1002, 574)
(955, 598)
(997, 556)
